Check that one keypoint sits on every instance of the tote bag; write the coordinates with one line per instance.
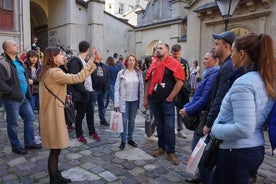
(196, 155)
(116, 122)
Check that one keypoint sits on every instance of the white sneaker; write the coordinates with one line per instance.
(37, 139)
(181, 134)
(153, 138)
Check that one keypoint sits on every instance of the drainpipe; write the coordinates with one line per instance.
(21, 41)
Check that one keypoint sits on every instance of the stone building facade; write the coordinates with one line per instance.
(171, 21)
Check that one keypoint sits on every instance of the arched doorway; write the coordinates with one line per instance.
(151, 48)
(39, 24)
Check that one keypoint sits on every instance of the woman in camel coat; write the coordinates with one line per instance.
(54, 134)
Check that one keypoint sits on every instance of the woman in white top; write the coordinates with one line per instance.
(129, 96)
(195, 76)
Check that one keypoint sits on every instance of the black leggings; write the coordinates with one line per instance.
(53, 162)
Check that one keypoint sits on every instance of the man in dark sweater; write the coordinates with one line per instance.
(100, 83)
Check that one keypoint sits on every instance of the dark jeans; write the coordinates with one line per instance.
(13, 110)
(234, 165)
(82, 108)
(165, 117)
(100, 98)
(35, 101)
(110, 93)
(178, 119)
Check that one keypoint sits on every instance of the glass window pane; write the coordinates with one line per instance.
(8, 5)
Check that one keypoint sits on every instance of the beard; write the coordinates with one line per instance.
(158, 55)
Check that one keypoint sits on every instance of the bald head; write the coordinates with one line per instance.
(10, 48)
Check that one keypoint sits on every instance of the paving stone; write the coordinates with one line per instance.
(137, 171)
(74, 156)
(17, 161)
(108, 176)
(79, 174)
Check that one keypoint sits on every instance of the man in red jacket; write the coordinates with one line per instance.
(164, 79)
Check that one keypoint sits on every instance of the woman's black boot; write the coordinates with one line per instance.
(59, 179)
(62, 178)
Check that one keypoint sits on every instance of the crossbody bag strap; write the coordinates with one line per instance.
(53, 94)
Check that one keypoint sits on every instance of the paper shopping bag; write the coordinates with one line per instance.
(196, 155)
(116, 122)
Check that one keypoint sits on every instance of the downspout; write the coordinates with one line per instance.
(21, 41)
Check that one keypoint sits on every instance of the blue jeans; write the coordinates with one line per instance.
(82, 108)
(234, 165)
(100, 97)
(35, 101)
(165, 117)
(129, 120)
(24, 109)
(205, 174)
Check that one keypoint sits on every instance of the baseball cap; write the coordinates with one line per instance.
(227, 36)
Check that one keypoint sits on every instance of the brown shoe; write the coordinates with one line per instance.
(158, 152)
(172, 158)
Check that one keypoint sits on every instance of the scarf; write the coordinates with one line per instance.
(156, 71)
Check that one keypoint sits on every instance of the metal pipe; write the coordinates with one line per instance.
(21, 41)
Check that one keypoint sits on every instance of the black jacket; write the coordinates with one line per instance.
(221, 87)
(9, 84)
(35, 86)
(78, 91)
(100, 83)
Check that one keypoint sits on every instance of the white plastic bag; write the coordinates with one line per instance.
(196, 155)
(116, 122)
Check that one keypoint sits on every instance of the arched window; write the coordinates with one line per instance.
(240, 31)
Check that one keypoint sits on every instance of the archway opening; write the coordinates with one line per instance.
(39, 24)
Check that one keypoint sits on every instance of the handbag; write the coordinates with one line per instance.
(191, 122)
(116, 121)
(198, 79)
(210, 154)
(196, 155)
(69, 109)
(202, 121)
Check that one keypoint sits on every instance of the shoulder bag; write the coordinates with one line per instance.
(210, 154)
(69, 109)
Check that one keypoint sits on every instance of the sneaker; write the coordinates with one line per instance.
(152, 138)
(181, 134)
(158, 152)
(172, 158)
(82, 139)
(37, 139)
(104, 123)
(95, 136)
(70, 127)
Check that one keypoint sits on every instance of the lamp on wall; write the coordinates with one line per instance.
(227, 8)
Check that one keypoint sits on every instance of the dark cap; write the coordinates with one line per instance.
(227, 36)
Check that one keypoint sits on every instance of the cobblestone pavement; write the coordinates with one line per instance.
(103, 162)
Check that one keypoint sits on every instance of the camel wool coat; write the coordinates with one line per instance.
(54, 133)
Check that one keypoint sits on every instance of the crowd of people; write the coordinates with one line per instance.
(236, 89)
